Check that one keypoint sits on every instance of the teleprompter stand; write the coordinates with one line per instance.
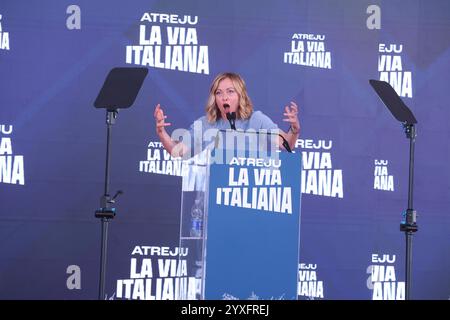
(119, 91)
(403, 114)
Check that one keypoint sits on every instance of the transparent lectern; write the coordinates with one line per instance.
(240, 221)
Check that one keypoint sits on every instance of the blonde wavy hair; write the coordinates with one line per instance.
(245, 107)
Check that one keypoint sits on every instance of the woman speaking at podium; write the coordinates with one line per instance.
(229, 104)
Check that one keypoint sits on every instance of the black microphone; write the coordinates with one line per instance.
(231, 116)
(284, 143)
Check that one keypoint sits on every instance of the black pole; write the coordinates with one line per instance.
(411, 134)
(101, 288)
(403, 114)
(110, 120)
(408, 224)
(119, 90)
(106, 212)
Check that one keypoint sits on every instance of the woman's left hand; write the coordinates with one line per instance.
(291, 116)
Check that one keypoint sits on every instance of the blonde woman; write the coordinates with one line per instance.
(228, 94)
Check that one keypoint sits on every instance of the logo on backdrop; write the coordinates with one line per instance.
(374, 20)
(74, 279)
(157, 273)
(268, 193)
(318, 175)
(391, 69)
(159, 161)
(11, 165)
(308, 50)
(383, 280)
(169, 41)
(308, 284)
(382, 179)
(73, 22)
(4, 37)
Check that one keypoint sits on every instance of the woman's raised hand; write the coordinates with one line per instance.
(160, 119)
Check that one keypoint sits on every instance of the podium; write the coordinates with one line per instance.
(240, 225)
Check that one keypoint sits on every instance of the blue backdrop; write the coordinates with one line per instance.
(55, 55)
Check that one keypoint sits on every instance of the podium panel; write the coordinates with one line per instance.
(240, 221)
(192, 223)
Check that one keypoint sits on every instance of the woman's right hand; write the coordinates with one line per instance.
(160, 119)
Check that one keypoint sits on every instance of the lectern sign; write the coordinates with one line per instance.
(253, 228)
